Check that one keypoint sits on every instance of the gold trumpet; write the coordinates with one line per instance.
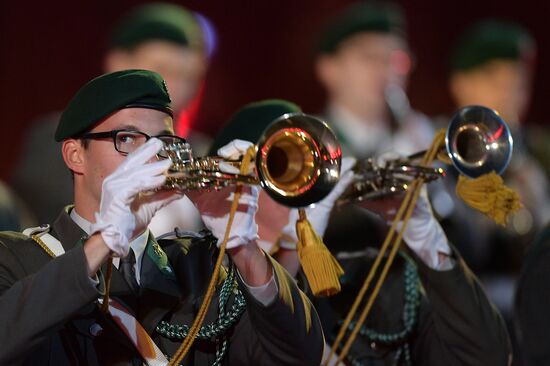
(477, 141)
(297, 163)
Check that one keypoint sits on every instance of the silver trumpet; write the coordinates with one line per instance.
(477, 142)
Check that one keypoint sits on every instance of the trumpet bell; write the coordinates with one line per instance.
(298, 160)
(478, 141)
(297, 163)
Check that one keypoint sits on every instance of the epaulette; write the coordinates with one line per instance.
(41, 235)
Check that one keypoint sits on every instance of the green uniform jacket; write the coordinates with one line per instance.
(48, 314)
(456, 323)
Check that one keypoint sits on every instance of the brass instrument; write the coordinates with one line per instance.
(297, 163)
(477, 141)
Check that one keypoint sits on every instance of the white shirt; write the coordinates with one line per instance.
(137, 245)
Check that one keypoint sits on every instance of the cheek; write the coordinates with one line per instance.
(95, 179)
(103, 172)
(366, 76)
(481, 91)
(100, 165)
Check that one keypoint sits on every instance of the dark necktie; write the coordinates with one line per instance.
(127, 269)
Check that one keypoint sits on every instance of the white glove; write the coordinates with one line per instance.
(234, 151)
(215, 206)
(244, 229)
(120, 213)
(425, 236)
(318, 213)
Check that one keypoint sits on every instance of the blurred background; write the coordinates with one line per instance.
(264, 50)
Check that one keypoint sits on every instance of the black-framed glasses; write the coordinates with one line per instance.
(127, 141)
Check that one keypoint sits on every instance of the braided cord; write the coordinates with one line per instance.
(409, 317)
(218, 329)
(188, 341)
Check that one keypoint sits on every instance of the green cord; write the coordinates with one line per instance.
(216, 330)
(409, 317)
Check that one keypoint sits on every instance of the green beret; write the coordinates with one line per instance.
(489, 40)
(251, 120)
(160, 21)
(381, 17)
(109, 93)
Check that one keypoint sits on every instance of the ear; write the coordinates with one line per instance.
(73, 155)
(116, 60)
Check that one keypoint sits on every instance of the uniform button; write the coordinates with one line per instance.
(373, 345)
(96, 329)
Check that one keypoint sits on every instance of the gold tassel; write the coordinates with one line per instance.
(321, 269)
(489, 195)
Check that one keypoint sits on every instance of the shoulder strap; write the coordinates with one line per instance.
(41, 235)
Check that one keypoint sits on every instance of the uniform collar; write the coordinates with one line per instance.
(138, 244)
(159, 288)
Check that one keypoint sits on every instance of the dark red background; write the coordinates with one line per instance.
(50, 48)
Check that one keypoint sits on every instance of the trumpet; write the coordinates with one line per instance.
(297, 162)
(477, 141)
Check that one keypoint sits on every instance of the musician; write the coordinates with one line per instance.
(52, 277)
(363, 61)
(493, 65)
(431, 310)
(503, 73)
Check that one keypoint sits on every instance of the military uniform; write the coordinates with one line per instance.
(488, 55)
(421, 316)
(449, 321)
(49, 314)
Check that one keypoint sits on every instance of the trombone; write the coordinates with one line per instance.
(297, 163)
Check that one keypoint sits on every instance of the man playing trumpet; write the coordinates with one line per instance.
(431, 309)
(52, 280)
